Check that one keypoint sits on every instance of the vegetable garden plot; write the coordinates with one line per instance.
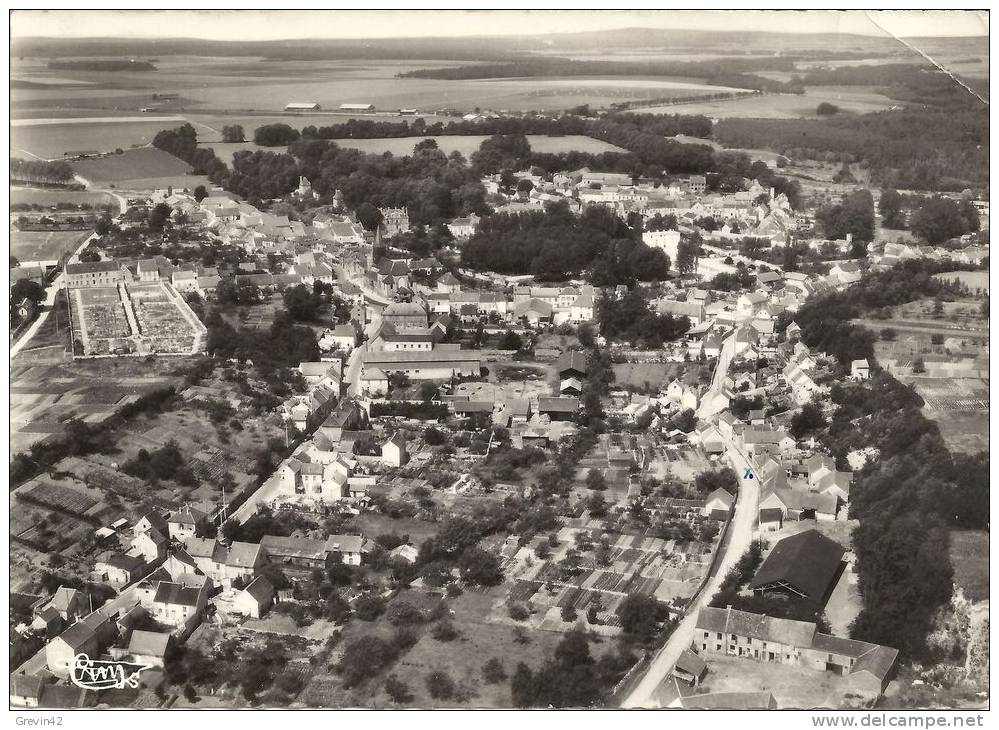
(60, 498)
(523, 590)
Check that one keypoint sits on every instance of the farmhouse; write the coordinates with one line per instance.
(804, 565)
(439, 364)
(866, 667)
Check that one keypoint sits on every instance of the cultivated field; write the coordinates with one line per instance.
(44, 396)
(54, 141)
(134, 164)
(860, 100)
(38, 196)
(44, 245)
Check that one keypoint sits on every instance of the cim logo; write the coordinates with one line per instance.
(93, 674)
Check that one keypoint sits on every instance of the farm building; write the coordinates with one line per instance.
(865, 667)
(302, 106)
(357, 107)
(806, 565)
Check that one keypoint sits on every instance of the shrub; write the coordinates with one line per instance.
(519, 612)
(444, 630)
(403, 612)
(440, 685)
(493, 672)
(398, 690)
(369, 607)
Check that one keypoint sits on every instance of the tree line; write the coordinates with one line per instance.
(907, 499)
(716, 72)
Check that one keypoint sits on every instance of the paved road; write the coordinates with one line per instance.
(352, 376)
(740, 536)
(56, 285)
(718, 381)
(50, 295)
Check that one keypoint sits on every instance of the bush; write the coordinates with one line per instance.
(519, 612)
(403, 612)
(398, 690)
(444, 630)
(440, 685)
(493, 672)
(369, 607)
(404, 638)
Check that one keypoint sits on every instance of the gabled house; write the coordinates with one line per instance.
(394, 450)
(719, 504)
(224, 564)
(254, 600)
(187, 523)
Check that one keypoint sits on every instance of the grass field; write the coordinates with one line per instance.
(399, 146)
(44, 245)
(462, 658)
(969, 553)
(971, 279)
(143, 162)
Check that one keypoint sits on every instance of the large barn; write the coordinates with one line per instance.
(804, 565)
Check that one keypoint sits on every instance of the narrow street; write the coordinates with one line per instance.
(740, 536)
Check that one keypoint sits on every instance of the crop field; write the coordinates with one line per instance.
(54, 141)
(59, 497)
(42, 397)
(44, 197)
(859, 100)
(44, 245)
(134, 164)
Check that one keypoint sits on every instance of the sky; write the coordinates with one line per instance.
(275, 25)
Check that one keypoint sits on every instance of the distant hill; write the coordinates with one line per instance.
(492, 47)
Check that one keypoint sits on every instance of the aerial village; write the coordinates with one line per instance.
(545, 476)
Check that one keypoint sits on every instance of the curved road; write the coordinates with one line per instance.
(740, 535)
(739, 538)
(57, 284)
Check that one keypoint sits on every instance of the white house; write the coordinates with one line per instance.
(394, 450)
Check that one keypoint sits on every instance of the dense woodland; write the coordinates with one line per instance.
(716, 72)
(40, 170)
(905, 500)
(914, 83)
(555, 244)
(919, 150)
